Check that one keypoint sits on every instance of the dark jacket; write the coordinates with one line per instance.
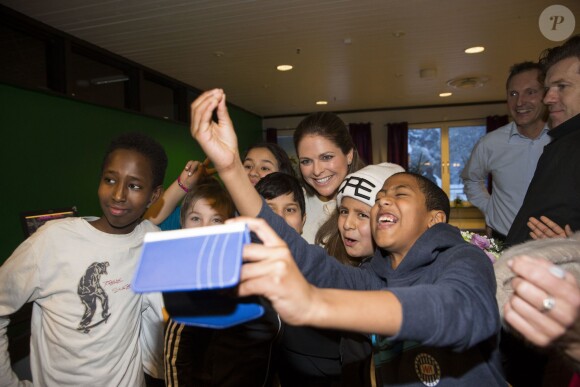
(447, 290)
(555, 188)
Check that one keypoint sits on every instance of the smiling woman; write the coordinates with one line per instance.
(326, 154)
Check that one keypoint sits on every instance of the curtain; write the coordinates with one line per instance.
(361, 136)
(272, 135)
(492, 123)
(397, 145)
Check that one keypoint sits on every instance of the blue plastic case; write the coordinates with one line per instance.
(197, 270)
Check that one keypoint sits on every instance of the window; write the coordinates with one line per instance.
(38, 57)
(158, 99)
(439, 151)
(23, 58)
(96, 82)
(286, 142)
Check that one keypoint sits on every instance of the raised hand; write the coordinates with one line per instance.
(217, 139)
(191, 174)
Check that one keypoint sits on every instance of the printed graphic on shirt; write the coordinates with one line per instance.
(427, 369)
(404, 362)
(90, 290)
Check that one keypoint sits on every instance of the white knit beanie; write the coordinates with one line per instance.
(364, 184)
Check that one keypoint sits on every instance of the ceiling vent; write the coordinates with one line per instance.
(467, 82)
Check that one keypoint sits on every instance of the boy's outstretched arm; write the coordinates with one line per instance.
(219, 142)
(270, 271)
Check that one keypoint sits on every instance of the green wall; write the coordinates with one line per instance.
(52, 148)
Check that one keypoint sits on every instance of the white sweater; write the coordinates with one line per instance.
(317, 212)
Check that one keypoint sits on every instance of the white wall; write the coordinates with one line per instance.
(379, 119)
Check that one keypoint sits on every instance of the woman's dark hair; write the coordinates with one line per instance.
(284, 163)
(211, 190)
(145, 145)
(331, 127)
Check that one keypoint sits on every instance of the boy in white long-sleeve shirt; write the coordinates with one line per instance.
(86, 320)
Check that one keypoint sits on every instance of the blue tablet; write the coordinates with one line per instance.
(197, 270)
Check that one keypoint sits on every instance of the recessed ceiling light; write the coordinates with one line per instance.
(218, 54)
(398, 34)
(446, 94)
(322, 102)
(284, 67)
(474, 50)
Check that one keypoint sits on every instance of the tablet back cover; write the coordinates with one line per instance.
(191, 259)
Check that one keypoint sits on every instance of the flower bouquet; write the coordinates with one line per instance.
(490, 246)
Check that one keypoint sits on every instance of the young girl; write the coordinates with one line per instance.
(326, 154)
(347, 236)
(264, 158)
(260, 160)
(230, 357)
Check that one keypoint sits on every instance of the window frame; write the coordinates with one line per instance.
(445, 155)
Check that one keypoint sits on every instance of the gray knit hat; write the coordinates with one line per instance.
(364, 184)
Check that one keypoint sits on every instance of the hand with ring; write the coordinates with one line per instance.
(545, 305)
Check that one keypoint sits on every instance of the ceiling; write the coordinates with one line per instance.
(357, 55)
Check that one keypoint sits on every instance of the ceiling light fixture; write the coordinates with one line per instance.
(109, 79)
(284, 67)
(474, 50)
(467, 82)
(322, 102)
(398, 34)
(446, 94)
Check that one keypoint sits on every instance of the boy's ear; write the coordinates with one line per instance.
(437, 216)
(155, 195)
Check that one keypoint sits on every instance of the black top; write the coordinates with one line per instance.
(555, 188)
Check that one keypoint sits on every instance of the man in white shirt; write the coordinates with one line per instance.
(509, 153)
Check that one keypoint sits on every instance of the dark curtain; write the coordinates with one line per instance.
(492, 123)
(272, 135)
(361, 135)
(397, 145)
